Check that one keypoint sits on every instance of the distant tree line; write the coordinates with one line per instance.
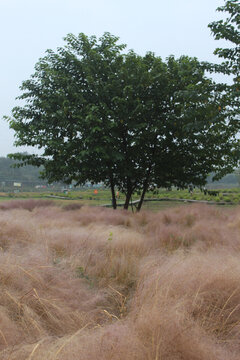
(28, 174)
(230, 179)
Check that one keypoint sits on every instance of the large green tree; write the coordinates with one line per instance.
(133, 122)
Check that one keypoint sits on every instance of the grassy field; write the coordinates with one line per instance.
(89, 198)
(93, 283)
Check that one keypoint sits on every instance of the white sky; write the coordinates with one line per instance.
(29, 27)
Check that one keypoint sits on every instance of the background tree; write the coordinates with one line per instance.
(229, 30)
(132, 122)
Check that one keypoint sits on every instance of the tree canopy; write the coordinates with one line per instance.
(134, 122)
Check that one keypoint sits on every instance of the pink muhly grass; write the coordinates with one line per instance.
(73, 206)
(93, 283)
(28, 204)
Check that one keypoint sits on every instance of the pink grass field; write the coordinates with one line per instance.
(93, 283)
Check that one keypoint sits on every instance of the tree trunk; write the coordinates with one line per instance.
(127, 200)
(114, 202)
(142, 197)
(145, 187)
(146, 182)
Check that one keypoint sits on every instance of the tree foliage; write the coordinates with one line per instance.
(133, 122)
(229, 30)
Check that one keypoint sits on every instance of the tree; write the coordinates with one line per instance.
(228, 29)
(133, 122)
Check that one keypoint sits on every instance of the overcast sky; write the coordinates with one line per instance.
(29, 27)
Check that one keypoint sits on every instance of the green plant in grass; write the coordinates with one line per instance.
(110, 237)
(81, 273)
